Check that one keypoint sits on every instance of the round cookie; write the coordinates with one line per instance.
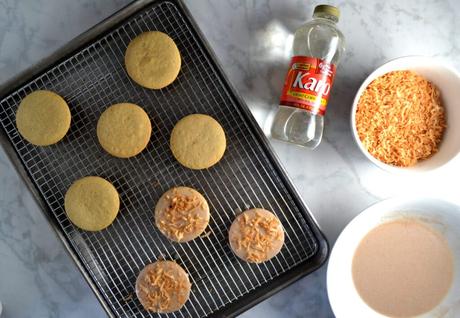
(182, 214)
(153, 60)
(256, 235)
(163, 287)
(43, 118)
(92, 203)
(198, 141)
(124, 130)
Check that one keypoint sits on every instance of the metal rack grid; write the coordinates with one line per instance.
(93, 79)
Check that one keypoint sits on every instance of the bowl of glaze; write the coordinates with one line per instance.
(447, 80)
(442, 216)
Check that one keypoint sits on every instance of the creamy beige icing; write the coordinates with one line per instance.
(403, 268)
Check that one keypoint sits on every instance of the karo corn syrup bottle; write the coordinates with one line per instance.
(317, 49)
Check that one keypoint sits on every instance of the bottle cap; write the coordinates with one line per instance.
(327, 9)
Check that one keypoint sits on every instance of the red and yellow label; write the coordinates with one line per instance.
(308, 84)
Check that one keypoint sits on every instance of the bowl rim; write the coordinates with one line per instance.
(373, 75)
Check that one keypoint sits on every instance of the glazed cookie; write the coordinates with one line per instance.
(256, 235)
(43, 118)
(182, 214)
(163, 287)
(152, 60)
(92, 203)
(124, 130)
(198, 141)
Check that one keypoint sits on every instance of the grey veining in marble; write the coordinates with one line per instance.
(251, 40)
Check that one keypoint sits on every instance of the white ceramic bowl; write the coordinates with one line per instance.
(443, 216)
(447, 79)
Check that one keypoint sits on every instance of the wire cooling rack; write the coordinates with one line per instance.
(92, 78)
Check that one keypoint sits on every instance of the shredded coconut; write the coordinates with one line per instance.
(257, 235)
(400, 119)
(181, 217)
(158, 287)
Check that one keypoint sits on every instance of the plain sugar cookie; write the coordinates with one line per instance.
(124, 130)
(92, 203)
(163, 287)
(198, 141)
(153, 60)
(182, 214)
(256, 235)
(43, 118)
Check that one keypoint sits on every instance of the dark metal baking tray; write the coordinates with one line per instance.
(90, 75)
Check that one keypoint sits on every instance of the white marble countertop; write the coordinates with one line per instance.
(37, 277)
